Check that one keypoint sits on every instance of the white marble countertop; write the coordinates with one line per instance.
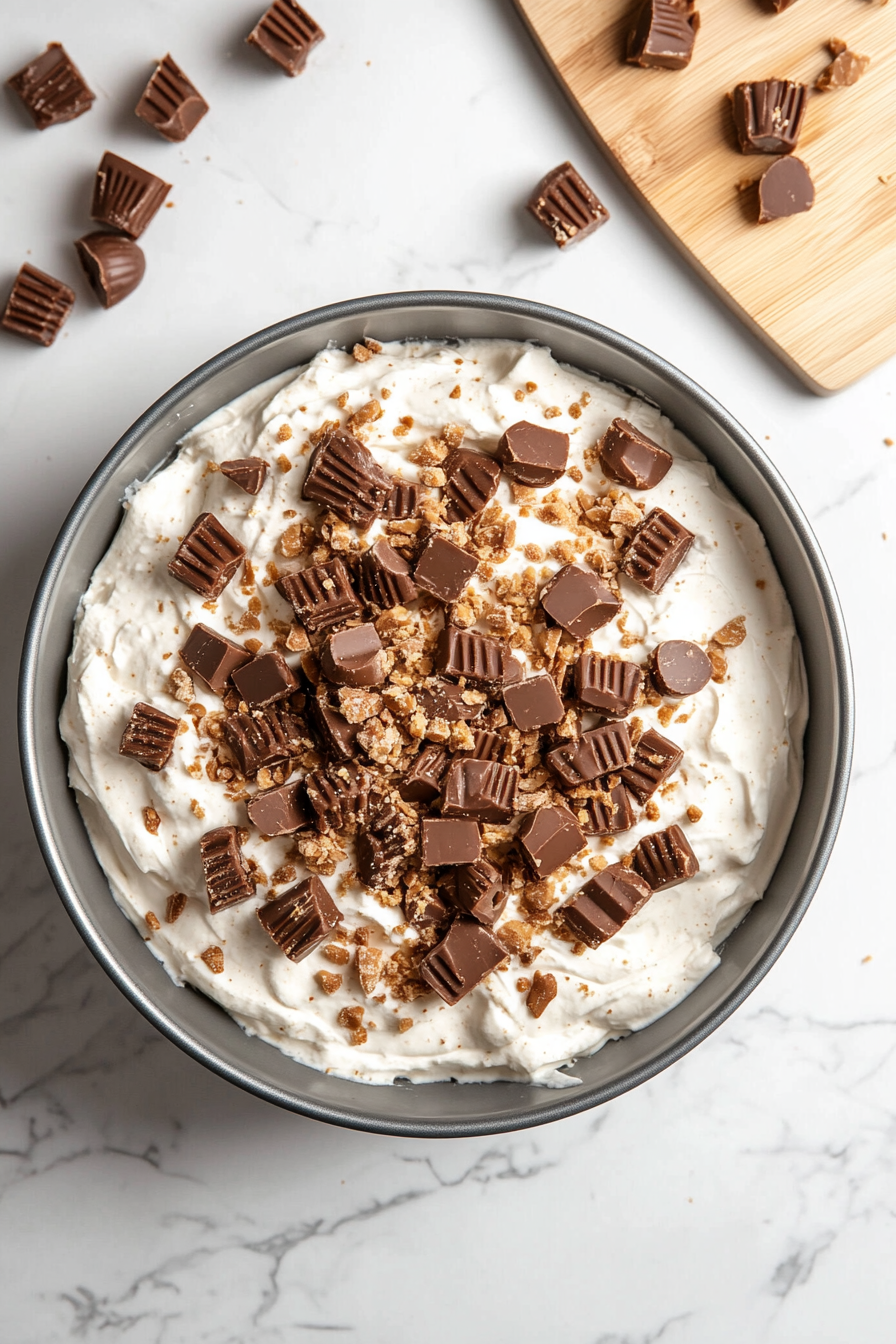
(748, 1194)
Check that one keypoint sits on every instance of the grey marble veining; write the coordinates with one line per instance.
(746, 1195)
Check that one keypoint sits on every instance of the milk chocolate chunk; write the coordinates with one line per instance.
(481, 661)
(301, 919)
(443, 700)
(213, 657)
(386, 841)
(478, 890)
(575, 599)
(52, 88)
(534, 703)
(332, 730)
(609, 815)
(549, 838)
(471, 480)
(149, 736)
(126, 197)
(227, 878)
(600, 908)
(286, 33)
(265, 737)
(679, 667)
(344, 476)
(846, 68)
(337, 794)
(656, 550)
(264, 679)
(655, 759)
(444, 569)
(425, 908)
(487, 746)
(462, 960)
(113, 265)
(566, 207)
(423, 782)
(663, 34)
(37, 306)
(322, 595)
(532, 454)
(354, 657)
(485, 790)
(597, 753)
(170, 104)
(768, 115)
(280, 811)
(247, 472)
(665, 859)
(384, 577)
(607, 685)
(630, 458)
(403, 501)
(207, 558)
(785, 189)
(449, 840)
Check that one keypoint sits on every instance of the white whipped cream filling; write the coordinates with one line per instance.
(742, 738)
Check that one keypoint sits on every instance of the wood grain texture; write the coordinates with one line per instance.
(819, 288)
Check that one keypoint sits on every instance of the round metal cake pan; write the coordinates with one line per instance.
(198, 1025)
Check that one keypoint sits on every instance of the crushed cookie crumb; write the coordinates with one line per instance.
(405, 1023)
(337, 953)
(329, 981)
(551, 412)
(284, 463)
(694, 813)
(284, 433)
(151, 820)
(454, 394)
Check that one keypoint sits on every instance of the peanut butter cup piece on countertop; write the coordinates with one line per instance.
(549, 838)
(532, 454)
(576, 599)
(679, 667)
(423, 782)
(598, 752)
(301, 919)
(600, 908)
(656, 549)
(170, 104)
(663, 35)
(114, 265)
(534, 703)
(213, 657)
(444, 569)
(286, 33)
(52, 88)
(768, 115)
(38, 306)
(608, 685)
(264, 679)
(321, 595)
(227, 878)
(149, 736)
(449, 840)
(125, 196)
(478, 890)
(354, 657)
(247, 472)
(471, 480)
(479, 659)
(485, 790)
(655, 759)
(344, 476)
(207, 558)
(462, 960)
(384, 577)
(280, 811)
(785, 189)
(630, 458)
(566, 207)
(665, 859)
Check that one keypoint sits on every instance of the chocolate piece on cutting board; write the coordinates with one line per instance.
(785, 189)
(845, 69)
(663, 35)
(768, 115)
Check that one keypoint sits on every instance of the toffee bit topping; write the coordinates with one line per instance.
(329, 981)
(543, 992)
(301, 919)
(149, 736)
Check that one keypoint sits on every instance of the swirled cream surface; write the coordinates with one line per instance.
(734, 794)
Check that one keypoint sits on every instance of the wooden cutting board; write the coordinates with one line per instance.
(819, 288)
